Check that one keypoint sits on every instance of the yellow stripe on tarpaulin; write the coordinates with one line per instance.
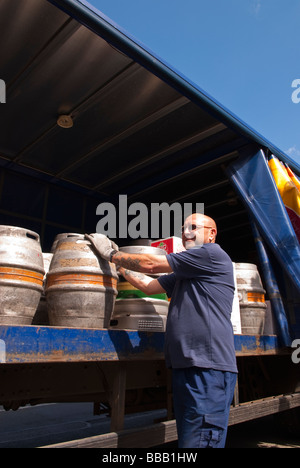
(289, 188)
(293, 177)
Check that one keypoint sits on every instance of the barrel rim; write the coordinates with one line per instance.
(20, 229)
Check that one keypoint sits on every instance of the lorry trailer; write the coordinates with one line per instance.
(90, 115)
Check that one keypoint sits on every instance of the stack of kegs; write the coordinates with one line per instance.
(73, 287)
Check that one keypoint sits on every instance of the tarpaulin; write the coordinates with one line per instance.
(273, 290)
(253, 180)
(289, 188)
(251, 176)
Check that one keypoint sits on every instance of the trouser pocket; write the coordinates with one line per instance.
(213, 431)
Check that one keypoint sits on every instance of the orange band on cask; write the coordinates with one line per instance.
(19, 274)
(80, 279)
(255, 297)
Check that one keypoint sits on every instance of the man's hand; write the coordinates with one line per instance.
(102, 244)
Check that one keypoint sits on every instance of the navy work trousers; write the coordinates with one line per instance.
(202, 399)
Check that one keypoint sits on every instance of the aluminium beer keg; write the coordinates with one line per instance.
(251, 296)
(133, 309)
(21, 275)
(61, 236)
(81, 287)
(144, 314)
(137, 249)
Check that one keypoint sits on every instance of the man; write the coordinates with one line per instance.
(199, 345)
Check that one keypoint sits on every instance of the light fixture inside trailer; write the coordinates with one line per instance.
(65, 121)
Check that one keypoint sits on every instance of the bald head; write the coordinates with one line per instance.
(198, 229)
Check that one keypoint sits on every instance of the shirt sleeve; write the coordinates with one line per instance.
(168, 283)
(191, 263)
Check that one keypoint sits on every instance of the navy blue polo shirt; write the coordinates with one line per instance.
(199, 330)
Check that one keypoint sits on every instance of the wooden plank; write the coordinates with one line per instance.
(143, 437)
(264, 407)
(164, 432)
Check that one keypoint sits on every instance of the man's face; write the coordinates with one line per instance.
(195, 231)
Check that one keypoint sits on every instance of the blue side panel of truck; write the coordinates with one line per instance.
(31, 344)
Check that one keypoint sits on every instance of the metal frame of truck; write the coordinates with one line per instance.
(140, 128)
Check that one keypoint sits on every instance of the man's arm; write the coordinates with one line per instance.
(142, 282)
(140, 263)
(144, 263)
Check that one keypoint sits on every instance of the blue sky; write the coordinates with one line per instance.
(244, 53)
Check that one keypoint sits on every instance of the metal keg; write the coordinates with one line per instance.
(134, 309)
(81, 287)
(145, 249)
(61, 236)
(144, 313)
(251, 296)
(41, 314)
(21, 275)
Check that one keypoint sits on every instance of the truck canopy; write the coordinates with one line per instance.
(90, 114)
